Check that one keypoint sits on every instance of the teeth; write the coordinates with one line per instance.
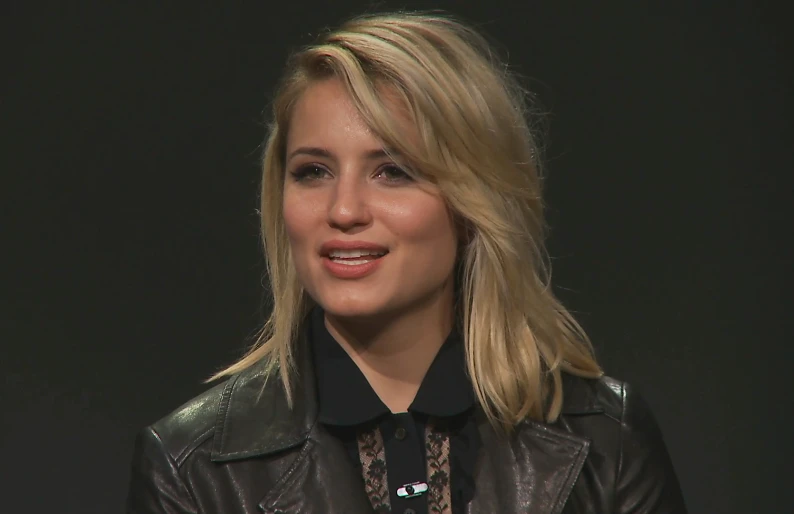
(351, 254)
(352, 263)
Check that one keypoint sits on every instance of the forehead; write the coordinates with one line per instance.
(325, 115)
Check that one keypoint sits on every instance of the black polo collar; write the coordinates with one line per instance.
(346, 398)
(254, 399)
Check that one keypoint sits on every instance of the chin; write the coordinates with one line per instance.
(355, 309)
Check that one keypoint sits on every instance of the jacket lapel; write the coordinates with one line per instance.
(254, 420)
(531, 471)
(321, 481)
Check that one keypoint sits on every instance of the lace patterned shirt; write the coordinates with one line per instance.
(349, 406)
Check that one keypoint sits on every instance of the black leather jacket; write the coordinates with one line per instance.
(238, 448)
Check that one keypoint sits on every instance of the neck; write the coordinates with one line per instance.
(395, 351)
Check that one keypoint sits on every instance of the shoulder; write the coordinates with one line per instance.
(619, 402)
(616, 399)
(605, 402)
(623, 432)
(190, 424)
(223, 423)
(607, 440)
(196, 421)
(604, 395)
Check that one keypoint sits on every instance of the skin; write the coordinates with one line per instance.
(393, 321)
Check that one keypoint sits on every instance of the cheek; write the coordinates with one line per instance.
(299, 228)
(298, 220)
(428, 224)
(293, 221)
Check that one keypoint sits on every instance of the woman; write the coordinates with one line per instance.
(416, 359)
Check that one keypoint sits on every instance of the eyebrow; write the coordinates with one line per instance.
(323, 152)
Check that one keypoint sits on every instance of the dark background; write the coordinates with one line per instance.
(131, 266)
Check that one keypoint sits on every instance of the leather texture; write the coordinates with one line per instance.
(238, 448)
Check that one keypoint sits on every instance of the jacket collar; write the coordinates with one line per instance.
(533, 471)
(580, 396)
(254, 417)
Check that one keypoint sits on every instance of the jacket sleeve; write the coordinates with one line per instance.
(646, 482)
(155, 484)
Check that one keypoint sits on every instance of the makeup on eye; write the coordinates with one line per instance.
(391, 173)
(307, 172)
(398, 173)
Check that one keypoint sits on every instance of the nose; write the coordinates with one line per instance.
(349, 206)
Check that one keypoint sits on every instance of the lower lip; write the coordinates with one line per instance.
(351, 271)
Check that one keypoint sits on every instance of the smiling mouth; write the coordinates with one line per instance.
(355, 262)
(354, 257)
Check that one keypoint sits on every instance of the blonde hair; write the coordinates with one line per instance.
(475, 144)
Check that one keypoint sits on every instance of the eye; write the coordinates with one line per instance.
(393, 173)
(308, 172)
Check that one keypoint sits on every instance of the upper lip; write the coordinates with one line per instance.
(329, 246)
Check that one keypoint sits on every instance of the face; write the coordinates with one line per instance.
(367, 238)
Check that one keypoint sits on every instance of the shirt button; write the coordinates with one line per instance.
(400, 435)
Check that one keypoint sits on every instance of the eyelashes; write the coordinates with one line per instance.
(394, 173)
(390, 173)
(307, 172)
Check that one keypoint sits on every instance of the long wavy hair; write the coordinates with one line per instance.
(475, 143)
